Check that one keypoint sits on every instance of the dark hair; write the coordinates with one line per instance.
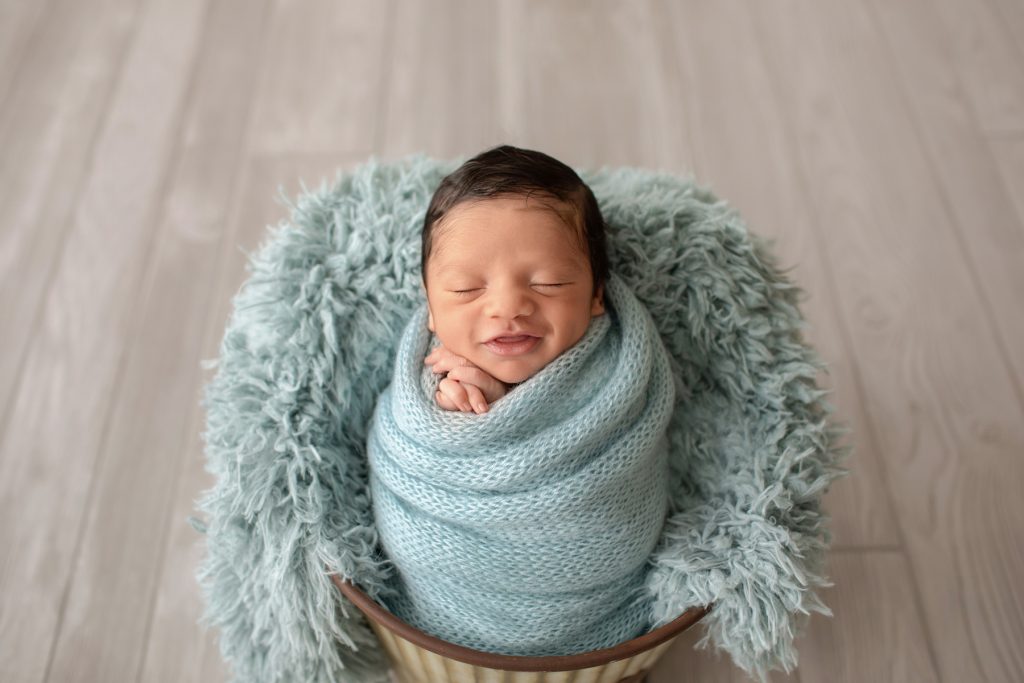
(507, 170)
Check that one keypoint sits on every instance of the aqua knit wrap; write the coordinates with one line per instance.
(526, 530)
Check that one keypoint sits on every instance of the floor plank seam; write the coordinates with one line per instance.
(57, 258)
(156, 212)
(956, 227)
(387, 59)
(844, 332)
(221, 270)
(19, 62)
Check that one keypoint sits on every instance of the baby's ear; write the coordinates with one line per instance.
(597, 307)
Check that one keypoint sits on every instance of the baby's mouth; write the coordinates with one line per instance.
(512, 345)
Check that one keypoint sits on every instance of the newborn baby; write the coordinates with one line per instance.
(512, 279)
(520, 496)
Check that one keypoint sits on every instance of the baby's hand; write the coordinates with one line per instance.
(467, 387)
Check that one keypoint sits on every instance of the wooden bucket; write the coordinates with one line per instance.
(418, 657)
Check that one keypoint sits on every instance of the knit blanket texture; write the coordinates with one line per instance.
(526, 530)
(310, 346)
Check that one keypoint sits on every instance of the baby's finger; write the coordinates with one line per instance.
(445, 360)
(436, 354)
(492, 388)
(444, 401)
(476, 397)
(457, 393)
(438, 361)
(442, 366)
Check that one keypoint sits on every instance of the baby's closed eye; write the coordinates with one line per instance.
(552, 285)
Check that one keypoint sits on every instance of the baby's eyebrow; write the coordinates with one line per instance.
(451, 266)
(557, 263)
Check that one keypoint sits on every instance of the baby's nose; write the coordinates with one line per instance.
(509, 303)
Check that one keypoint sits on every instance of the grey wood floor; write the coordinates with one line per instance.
(880, 142)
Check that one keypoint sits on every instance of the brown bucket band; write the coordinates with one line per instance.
(490, 660)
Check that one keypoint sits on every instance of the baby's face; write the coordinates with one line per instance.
(493, 271)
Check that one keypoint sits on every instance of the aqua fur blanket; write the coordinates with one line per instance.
(310, 347)
(526, 530)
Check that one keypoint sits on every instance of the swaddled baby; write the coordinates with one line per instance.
(521, 523)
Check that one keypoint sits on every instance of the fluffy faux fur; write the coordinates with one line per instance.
(309, 348)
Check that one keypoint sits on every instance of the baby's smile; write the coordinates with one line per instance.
(513, 346)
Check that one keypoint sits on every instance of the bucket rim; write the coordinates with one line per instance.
(491, 660)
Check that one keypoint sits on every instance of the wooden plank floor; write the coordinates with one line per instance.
(881, 144)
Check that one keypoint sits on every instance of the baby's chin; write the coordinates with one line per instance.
(509, 373)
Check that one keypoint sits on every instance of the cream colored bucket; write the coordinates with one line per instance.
(418, 657)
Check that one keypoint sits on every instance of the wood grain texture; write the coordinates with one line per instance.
(113, 591)
(874, 633)
(689, 660)
(208, 194)
(53, 445)
(910, 309)
(1008, 151)
(19, 21)
(178, 650)
(57, 102)
(742, 151)
(980, 204)
(322, 80)
(1010, 16)
(986, 59)
(442, 96)
(610, 107)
